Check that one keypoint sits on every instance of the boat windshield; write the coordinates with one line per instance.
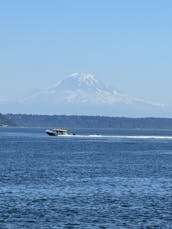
(60, 131)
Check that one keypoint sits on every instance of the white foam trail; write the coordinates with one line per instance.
(119, 136)
(146, 137)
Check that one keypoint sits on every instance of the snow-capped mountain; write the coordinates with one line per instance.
(80, 89)
(84, 94)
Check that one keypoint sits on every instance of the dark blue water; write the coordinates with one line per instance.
(110, 181)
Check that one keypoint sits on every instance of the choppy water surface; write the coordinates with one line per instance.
(100, 179)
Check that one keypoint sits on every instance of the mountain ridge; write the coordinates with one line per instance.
(82, 88)
(84, 94)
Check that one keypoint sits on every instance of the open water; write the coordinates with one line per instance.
(100, 179)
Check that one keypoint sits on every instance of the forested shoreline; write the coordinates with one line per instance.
(77, 121)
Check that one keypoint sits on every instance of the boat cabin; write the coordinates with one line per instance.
(59, 131)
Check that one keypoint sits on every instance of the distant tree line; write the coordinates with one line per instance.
(76, 121)
(5, 121)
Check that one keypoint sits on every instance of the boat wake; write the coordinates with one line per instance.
(118, 136)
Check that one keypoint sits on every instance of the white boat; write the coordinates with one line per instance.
(57, 132)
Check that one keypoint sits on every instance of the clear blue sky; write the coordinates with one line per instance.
(125, 43)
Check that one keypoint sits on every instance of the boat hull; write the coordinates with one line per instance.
(55, 132)
(50, 133)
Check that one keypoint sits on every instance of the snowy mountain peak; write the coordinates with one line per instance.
(82, 76)
(77, 88)
(80, 81)
(83, 89)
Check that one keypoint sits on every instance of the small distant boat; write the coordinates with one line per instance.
(57, 132)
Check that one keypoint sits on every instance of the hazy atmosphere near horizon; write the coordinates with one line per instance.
(123, 45)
